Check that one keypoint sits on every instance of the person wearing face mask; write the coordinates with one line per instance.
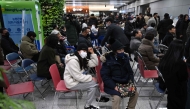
(74, 77)
(7, 43)
(83, 37)
(28, 47)
(146, 50)
(116, 69)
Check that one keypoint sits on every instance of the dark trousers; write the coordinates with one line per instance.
(188, 95)
(127, 49)
(161, 37)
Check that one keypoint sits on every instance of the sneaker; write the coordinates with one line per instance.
(91, 107)
(102, 99)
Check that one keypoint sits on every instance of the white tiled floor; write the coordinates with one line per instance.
(68, 101)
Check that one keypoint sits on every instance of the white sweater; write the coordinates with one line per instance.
(73, 74)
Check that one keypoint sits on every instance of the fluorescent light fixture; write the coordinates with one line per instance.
(113, 9)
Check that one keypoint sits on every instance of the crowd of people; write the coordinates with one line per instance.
(123, 35)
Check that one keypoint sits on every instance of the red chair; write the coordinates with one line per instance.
(20, 88)
(58, 83)
(147, 74)
(6, 63)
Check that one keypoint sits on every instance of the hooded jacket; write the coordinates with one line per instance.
(73, 74)
(28, 48)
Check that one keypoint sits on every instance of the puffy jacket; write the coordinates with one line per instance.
(28, 48)
(73, 74)
(114, 71)
(146, 50)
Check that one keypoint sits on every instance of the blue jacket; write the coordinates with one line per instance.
(113, 72)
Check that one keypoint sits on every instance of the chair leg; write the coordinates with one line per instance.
(38, 90)
(162, 96)
(76, 99)
(24, 96)
(54, 99)
(133, 64)
(152, 93)
(32, 96)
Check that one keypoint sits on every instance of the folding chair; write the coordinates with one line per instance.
(16, 89)
(146, 74)
(33, 76)
(59, 84)
(162, 47)
(156, 87)
(14, 57)
(100, 82)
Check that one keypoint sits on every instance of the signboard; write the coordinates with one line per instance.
(13, 23)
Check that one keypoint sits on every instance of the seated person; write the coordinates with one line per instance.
(28, 47)
(76, 64)
(169, 35)
(151, 29)
(135, 42)
(7, 43)
(47, 57)
(60, 48)
(117, 69)
(146, 50)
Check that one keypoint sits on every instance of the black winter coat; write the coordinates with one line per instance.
(115, 71)
(163, 25)
(83, 39)
(176, 84)
(8, 46)
(117, 33)
(128, 29)
(168, 39)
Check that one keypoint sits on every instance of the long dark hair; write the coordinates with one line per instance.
(52, 41)
(82, 62)
(172, 57)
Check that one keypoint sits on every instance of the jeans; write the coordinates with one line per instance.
(188, 95)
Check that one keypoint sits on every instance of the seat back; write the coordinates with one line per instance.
(99, 78)
(163, 47)
(5, 79)
(12, 57)
(159, 73)
(140, 56)
(55, 74)
(141, 66)
(27, 62)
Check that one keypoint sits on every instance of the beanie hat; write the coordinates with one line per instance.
(82, 46)
(117, 45)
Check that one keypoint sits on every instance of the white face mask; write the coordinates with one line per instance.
(83, 54)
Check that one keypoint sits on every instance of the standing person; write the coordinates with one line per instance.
(183, 28)
(146, 18)
(174, 72)
(75, 79)
(154, 19)
(73, 29)
(28, 47)
(163, 26)
(128, 29)
(169, 35)
(178, 26)
(116, 69)
(140, 21)
(93, 20)
(188, 30)
(7, 43)
(115, 32)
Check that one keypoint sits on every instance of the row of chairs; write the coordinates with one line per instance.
(147, 75)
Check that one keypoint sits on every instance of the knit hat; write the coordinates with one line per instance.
(82, 46)
(116, 45)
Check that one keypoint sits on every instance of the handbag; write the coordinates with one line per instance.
(126, 90)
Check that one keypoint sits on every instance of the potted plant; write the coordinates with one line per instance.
(9, 103)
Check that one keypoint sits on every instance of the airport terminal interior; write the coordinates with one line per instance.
(94, 54)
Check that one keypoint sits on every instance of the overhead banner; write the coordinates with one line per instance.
(13, 23)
